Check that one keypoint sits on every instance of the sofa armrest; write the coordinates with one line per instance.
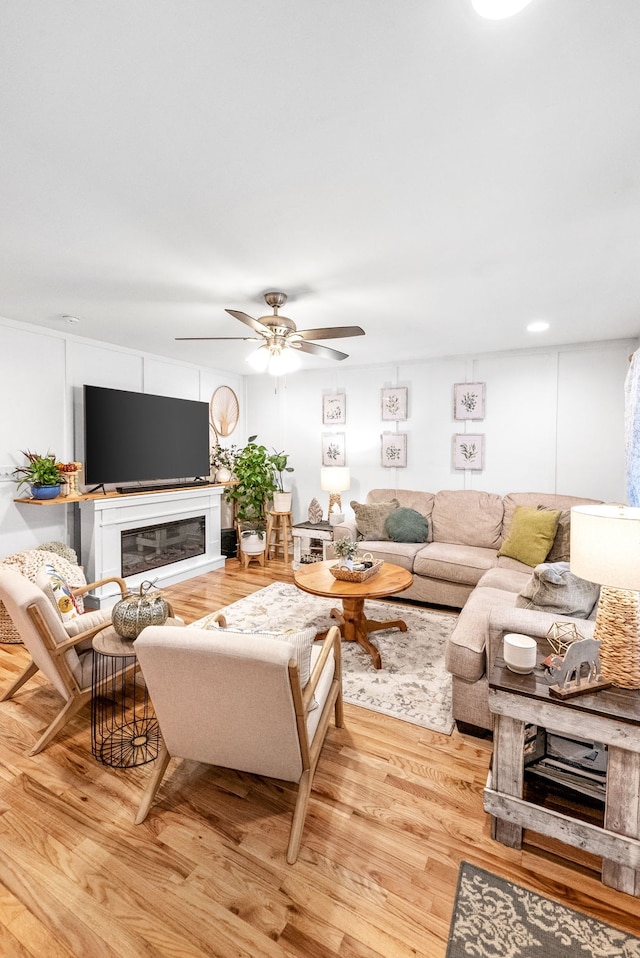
(528, 622)
(346, 530)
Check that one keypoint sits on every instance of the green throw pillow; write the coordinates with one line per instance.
(531, 535)
(407, 525)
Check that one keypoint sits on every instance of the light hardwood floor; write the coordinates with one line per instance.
(394, 811)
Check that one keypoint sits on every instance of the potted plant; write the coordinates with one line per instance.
(347, 550)
(43, 473)
(281, 498)
(254, 487)
(223, 459)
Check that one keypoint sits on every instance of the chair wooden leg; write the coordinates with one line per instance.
(299, 816)
(73, 705)
(19, 682)
(158, 774)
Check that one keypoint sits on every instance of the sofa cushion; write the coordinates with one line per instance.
(468, 517)
(454, 563)
(371, 518)
(510, 580)
(398, 553)
(422, 502)
(531, 535)
(560, 548)
(406, 525)
(554, 588)
(547, 499)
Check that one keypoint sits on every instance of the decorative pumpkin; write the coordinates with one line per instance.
(137, 610)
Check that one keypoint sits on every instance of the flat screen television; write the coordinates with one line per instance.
(139, 437)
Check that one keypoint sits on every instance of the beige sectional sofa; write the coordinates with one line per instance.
(459, 566)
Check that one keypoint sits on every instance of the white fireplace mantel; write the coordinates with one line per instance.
(102, 520)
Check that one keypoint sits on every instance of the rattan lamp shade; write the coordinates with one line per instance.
(605, 548)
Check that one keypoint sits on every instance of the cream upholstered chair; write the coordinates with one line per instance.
(61, 651)
(235, 700)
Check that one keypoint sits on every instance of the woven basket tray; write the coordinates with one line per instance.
(345, 575)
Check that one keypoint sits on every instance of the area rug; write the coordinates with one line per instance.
(494, 918)
(411, 685)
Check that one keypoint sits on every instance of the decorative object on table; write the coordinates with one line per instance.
(346, 549)
(139, 609)
(393, 449)
(362, 569)
(334, 480)
(413, 684)
(43, 474)
(224, 411)
(222, 461)
(314, 512)
(577, 671)
(70, 471)
(333, 449)
(394, 403)
(561, 635)
(519, 923)
(334, 409)
(281, 497)
(519, 652)
(605, 545)
(468, 451)
(468, 400)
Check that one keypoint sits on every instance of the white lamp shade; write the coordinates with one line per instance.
(335, 478)
(605, 545)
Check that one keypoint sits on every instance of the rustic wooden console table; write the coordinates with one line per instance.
(611, 716)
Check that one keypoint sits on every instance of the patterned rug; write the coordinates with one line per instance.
(495, 919)
(411, 685)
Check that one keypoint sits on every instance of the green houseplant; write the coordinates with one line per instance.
(281, 498)
(254, 486)
(43, 473)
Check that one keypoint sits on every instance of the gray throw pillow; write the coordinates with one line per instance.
(554, 588)
(371, 518)
(407, 525)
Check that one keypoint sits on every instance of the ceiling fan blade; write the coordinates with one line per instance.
(244, 339)
(249, 321)
(331, 332)
(317, 350)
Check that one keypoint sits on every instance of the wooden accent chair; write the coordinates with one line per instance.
(61, 651)
(235, 701)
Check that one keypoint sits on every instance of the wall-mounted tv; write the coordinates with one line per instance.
(139, 437)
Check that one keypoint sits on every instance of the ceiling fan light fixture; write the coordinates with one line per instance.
(283, 361)
(498, 9)
(259, 360)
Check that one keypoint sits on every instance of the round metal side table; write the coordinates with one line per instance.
(124, 728)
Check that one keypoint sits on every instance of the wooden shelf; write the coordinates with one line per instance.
(112, 494)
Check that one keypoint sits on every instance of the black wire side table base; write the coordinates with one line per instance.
(124, 728)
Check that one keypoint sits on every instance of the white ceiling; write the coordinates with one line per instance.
(438, 179)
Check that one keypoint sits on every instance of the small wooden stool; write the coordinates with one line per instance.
(279, 525)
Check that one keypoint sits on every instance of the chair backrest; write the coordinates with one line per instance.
(41, 630)
(223, 701)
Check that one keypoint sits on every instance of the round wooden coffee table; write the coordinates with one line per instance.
(354, 625)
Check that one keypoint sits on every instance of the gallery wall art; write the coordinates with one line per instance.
(468, 400)
(393, 449)
(394, 403)
(468, 451)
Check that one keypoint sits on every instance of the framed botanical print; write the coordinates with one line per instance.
(333, 449)
(468, 401)
(393, 449)
(334, 409)
(394, 403)
(468, 451)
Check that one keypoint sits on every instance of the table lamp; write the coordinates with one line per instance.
(605, 548)
(334, 480)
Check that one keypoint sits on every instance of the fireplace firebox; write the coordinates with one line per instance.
(150, 547)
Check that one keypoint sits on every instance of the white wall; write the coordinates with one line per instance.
(554, 422)
(41, 379)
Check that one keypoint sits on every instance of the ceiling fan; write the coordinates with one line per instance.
(279, 335)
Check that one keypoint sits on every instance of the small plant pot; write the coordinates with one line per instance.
(253, 544)
(282, 501)
(223, 475)
(45, 492)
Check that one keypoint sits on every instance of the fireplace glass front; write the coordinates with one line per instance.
(149, 547)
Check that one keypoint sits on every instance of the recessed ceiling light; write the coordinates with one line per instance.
(72, 320)
(540, 326)
(498, 9)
